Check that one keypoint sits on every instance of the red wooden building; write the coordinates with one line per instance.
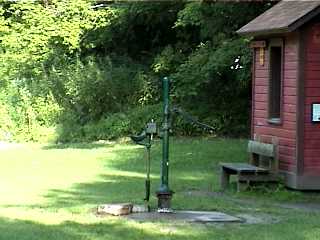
(286, 87)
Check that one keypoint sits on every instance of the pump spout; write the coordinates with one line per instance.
(138, 139)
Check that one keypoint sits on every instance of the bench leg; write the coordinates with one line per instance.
(224, 179)
(242, 186)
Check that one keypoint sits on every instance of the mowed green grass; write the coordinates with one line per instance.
(51, 192)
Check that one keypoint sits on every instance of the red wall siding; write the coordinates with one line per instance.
(312, 94)
(286, 132)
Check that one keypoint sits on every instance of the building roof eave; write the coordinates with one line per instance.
(284, 17)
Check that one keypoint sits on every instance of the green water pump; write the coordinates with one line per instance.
(164, 193)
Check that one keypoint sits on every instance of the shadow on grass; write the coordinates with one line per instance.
(68, 230)
(79, 145)
(118, 229)
(124, 178)
(192, 167)
(110, 189)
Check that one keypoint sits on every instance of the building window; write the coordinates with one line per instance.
(275, 83)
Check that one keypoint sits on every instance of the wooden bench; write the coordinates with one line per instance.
(263, 166)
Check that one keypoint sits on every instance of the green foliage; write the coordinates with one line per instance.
(206, 78)
(205, 83)
(33, 31)
(167, 61)
(94, 87)
(6, 123)
(91, 69)
(218, 20)
(32, 36)
(190, 15)
(149, 91)
(111, 127)
(25, 117)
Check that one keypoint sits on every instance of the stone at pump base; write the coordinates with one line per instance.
(118, 209)
(140, 209)
(165, 210)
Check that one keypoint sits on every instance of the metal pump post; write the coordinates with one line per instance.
(164, 194)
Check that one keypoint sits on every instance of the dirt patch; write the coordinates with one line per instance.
(305, 207)
(258, 218)
(203, 217)
(186, 216)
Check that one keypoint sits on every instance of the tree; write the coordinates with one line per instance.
(84, 62)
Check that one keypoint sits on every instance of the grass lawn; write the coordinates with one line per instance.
(51, 192)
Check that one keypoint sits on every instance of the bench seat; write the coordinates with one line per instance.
(243, 167)
(255, 171)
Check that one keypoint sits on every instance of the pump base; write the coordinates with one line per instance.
(164, 200)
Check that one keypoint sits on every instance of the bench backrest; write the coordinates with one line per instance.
(263, 155)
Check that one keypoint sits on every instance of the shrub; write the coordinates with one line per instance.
(110, 127)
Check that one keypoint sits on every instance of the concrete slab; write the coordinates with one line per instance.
(188, 216)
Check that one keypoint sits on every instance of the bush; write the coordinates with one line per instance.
(111, 127)
(6, 124)
(24, 117)
(209, 88)
(94, 86)
(134, 121)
